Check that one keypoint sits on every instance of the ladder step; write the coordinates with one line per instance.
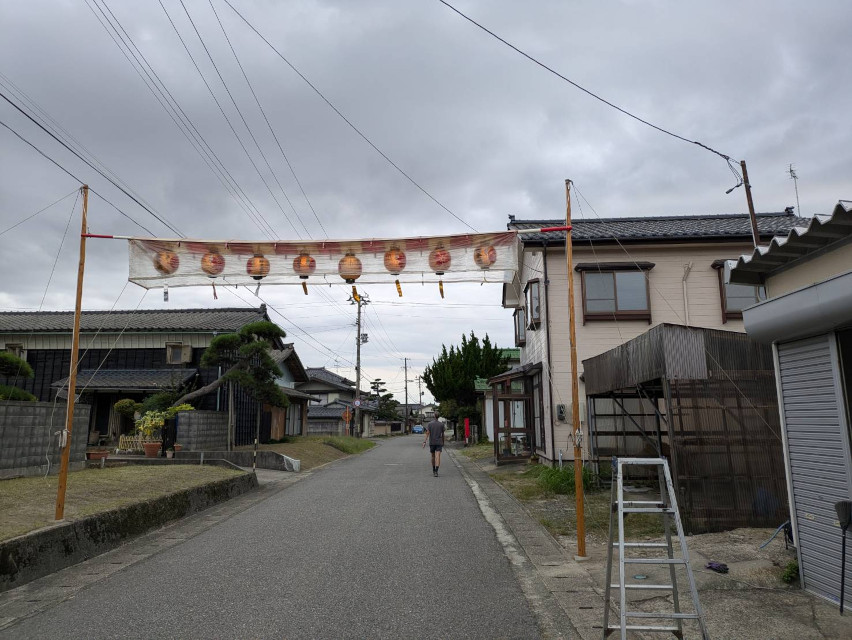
(668, 616)
(647, 510)
(642, 627)
(654, 561)
(647, 545)
(634, 503)
(656, 587)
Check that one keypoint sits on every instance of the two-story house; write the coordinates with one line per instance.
(629, 274)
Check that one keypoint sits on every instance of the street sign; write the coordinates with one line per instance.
(347, 415)
(357, 403)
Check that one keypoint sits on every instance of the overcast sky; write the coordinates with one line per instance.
(483, 130)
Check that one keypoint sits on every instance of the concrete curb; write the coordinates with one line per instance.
(265, 459)
(36, 554)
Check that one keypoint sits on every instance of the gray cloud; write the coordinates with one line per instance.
(485, 131)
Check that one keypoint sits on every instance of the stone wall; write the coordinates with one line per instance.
(203, 430)
(325, 428)
(28, 440)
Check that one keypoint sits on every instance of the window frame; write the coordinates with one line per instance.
(613, 268)
(15, 348)
(533, 323)
(185, 353)
(730, 314)
(520, 326)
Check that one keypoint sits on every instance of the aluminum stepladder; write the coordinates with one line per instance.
(667, 506)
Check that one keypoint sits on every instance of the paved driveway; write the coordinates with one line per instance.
(370, 547)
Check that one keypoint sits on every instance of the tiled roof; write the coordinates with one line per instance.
(335, 409)
(175, 320)
(321, 373)
(128, 379)
(716, 227)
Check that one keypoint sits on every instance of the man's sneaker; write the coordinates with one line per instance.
(435, 473)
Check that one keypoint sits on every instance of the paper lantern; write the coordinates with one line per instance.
(395, 261)
(212, 263)
(484, 257)
(304, 265)
(349, 268)
(439, 260)
(166, 262)
(257, 267)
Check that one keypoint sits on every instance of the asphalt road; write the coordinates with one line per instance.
(370, 547)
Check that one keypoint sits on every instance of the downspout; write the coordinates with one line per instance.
(549, 369)
(686, 269)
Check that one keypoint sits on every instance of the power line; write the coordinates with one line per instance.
(347, 121)
(92, 166)
(248, 128)
(47, 157)
(177, 114)
(30, 217)
(269, 125)
(727, 158)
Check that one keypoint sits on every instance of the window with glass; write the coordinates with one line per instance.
(615, 293)
(520, 327)
(533, 295)
(736, 297)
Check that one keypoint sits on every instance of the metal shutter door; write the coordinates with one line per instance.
(819, 457)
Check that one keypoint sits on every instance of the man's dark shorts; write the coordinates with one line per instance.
(435, 447)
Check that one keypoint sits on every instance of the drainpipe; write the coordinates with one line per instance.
(547, 339)
(686, 269)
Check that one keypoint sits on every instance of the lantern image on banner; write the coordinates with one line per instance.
(257, 267)
(439, 262)
(304, 265)
(166, 262)
(484, 257)
(395, 263)
(212, 263)
(349, 268)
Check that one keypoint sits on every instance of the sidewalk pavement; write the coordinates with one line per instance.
(758, 608)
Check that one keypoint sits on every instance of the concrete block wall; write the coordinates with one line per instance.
(203, 430)
(27, 440)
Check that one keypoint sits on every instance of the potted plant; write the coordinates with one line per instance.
(178, 447)
(170, 453)
(150, 427)
(97, 454)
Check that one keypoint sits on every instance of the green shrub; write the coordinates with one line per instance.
(13, 393)
(159, 401)
(791, 572)
(127, 407)
(12, 366)
(561, 481)
(348, 444)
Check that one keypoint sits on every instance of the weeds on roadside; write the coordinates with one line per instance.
(348, 444)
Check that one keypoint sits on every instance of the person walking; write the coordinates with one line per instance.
(435, 438)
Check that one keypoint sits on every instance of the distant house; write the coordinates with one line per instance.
(807, 319)
(333, 408)
(629, 274)
(292, 421)
(130, 354)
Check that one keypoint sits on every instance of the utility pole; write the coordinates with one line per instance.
(72, 379)
(405, 426)
(360, 338)
(575, 384)
(755, 234)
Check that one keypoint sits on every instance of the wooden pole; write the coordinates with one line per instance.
(755, 234)
(575, 384)
(72, 379)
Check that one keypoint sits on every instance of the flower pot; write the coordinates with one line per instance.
(97, 455)
(178, 447)
(170, 454)
(152, 448)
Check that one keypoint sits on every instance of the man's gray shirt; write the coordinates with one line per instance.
(435, 429)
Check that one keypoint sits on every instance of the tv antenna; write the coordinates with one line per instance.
(795, 178)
